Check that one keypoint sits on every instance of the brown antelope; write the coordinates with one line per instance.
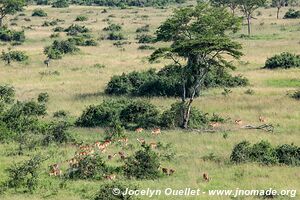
(165, 171)
(141, 140)
(214, 124)
(156, 131)
(153, 145)
(205, 177)
(110, 177)
(139, 130)
(123, 140)
(85, 148)
(171, 172)
(122, 155)
(54, 170)
(262, 119)
(111, 156)
(238, 122)
(73, 162)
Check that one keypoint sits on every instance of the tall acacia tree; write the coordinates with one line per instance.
(10, 7)
(248, 7)
(199, 44)
(279, 4)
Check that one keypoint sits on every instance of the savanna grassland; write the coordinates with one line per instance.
(80, 83)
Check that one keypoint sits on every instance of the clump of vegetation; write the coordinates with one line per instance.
(60, 4)
(292, 14)
(116, 36)
(39, 13)
(75, 29)
(296, 95)
(81, 18)
(145, 39)
(7, 94)
(284, 60)
(60, 48)
(106, 191)
(146, 47)
(166, 82)
(11, 35)
(58, 29)
(124, 4)
(50, 23)
(264, 153)
(24, 174)
(89, 167)
(82, 41)
(113, 28)
(43, 97)
(144, 164)
(60, 114)
(18, 56)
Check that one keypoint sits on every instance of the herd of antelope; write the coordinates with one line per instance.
(101, 147)
(237, 122)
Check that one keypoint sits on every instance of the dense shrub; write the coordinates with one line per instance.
(145, 39)
(145, 28)
(39, 13)
(89, 167)
(166, 82)
(24, 174)
(7, 94)
(296, 95)
(60, 4)
(17, 56)
(292, 14)
(75, 29)
(139, 114)
(81, 18)
(5, 133)
(42, 2)
(173, 118)
(113, 28)
(144, 164)
(60, 114)
(284, 60)
(146, 47)
(106, 191)
(57, 132)
(116, 36)
(43, 97)
(288, 154)
(50, 23)
(59, 48)
(58, 29)
(82, 41)
(264, 153)
(11, 35)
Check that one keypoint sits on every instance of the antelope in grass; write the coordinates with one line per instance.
(139, 130)
(262, 119)
(214, 124)
(156, 131)
(205, 177)
(141, 140)
(54, 170)
(110, 177)
(238, 122)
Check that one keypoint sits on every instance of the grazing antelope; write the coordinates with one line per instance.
(54, 170)
(73, 162)
(123, 140)
(165, 171)
(47, 62)
(205, 177)
(141, 140)
(262, 119)
(153, 145)
(122, 155)
(238, 122)
(110, 177)
(214, 124)
(139, 130)
(156, 131)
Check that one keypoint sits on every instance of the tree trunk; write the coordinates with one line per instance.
(278, 10)
(1, 22)
(249, 25)
(187, 113)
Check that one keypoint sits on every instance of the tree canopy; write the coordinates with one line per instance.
(10, 7)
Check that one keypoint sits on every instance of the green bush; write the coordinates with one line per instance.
(145, 39)
(43, 97)
(24, 174)
(144, 164)
(173, 118)
(241, 152)
(5, 133)
(57, 132)
(106, 191)
(59, 48)
(50, 23)
(292, 14)
(166, 82)
(75, 29)
(89, 167)
(139, 114)
(146, 47)
(60, 114)
(11, 35)
(288, 154)
(296, 95)
(7, 94)
(18, 56)
(81, 18)
(264, 153)
(81, 41)
(58, 29)
(60, 4)
(116, 36)
(113, 28)
(285, 60)
(39, 13)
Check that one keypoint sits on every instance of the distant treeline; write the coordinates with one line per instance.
(118, 3)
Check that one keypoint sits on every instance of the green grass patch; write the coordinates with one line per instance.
(283, 82)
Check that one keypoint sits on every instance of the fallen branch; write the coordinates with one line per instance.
(265, 127)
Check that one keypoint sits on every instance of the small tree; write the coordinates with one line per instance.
(232, 4)
(10, 7)
(248, 7)
(199, 45)
(279, 4)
